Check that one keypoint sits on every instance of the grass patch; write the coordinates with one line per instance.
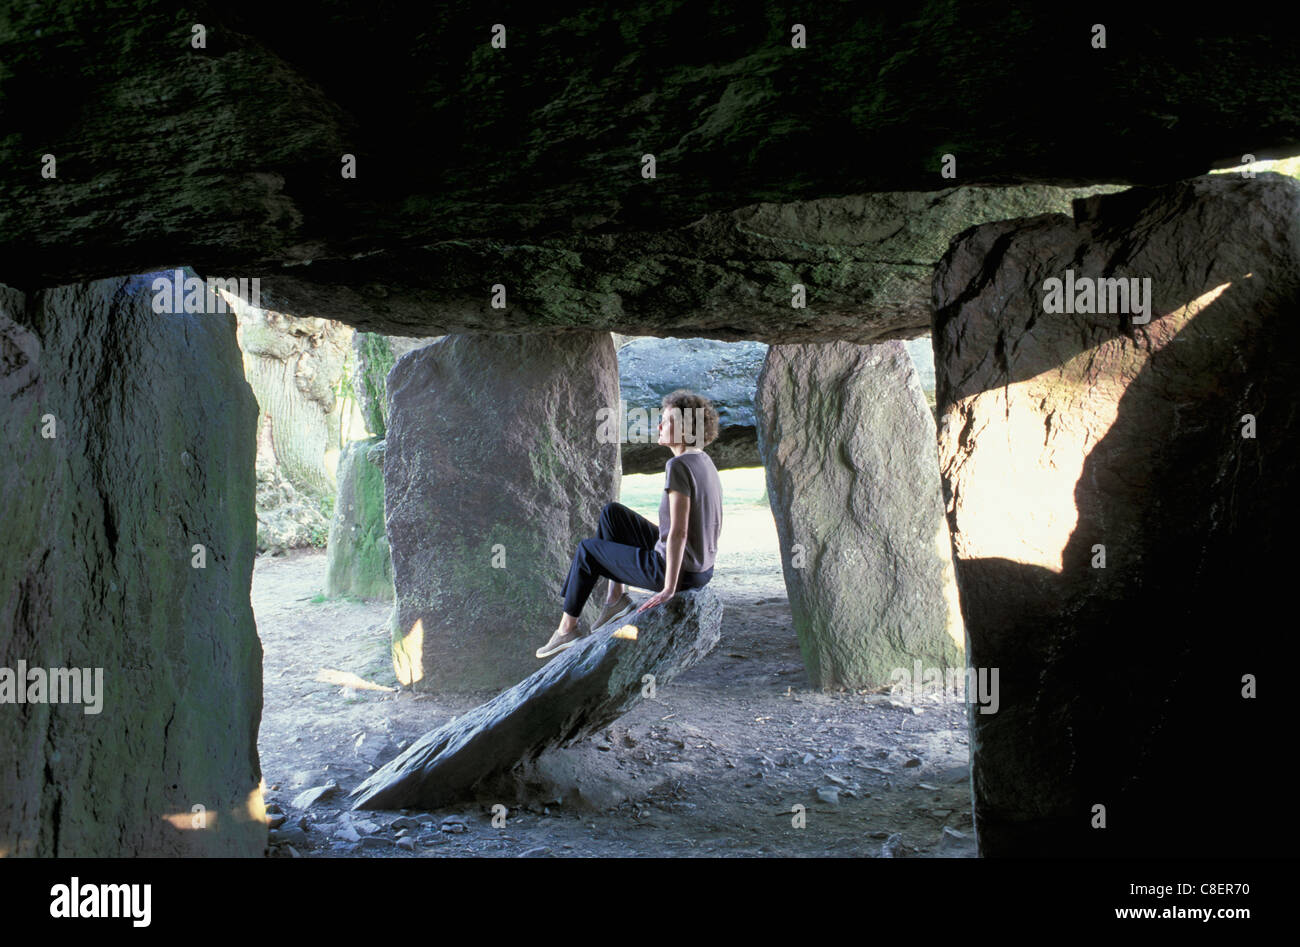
(320, 598)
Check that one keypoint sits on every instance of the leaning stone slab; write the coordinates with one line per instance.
(579, 692)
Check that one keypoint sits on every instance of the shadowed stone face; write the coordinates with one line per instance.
(859, 268)
(1118, 525)
(133, 525)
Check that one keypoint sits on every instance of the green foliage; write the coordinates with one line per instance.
(347, 389)
(379, 357)
(345, 395)
(320, 598)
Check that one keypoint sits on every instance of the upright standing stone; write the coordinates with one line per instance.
(126, 489)
(848, 447)
(494, 472)
(1123, 533)
(357, 559)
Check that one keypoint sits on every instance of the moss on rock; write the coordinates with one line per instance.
(359, 562)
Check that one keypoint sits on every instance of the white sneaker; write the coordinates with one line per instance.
(615, 610)
(561, 640)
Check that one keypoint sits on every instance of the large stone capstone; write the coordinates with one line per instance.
(496, 468)
(848, 449)
(163, 154)
(860, 264)
(1119, 485)
(126, 493)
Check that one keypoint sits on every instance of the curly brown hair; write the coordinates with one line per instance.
(694, 407)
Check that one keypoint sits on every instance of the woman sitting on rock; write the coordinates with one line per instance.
(679, 554)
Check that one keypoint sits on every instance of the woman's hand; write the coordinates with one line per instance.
(657, 599)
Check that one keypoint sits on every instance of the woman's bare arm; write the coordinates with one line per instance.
(679, 509)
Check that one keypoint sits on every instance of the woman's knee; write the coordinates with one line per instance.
(608, 527)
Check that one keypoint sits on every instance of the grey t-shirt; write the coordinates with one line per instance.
(695, 475)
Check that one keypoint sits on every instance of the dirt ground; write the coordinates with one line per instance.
(715, 764)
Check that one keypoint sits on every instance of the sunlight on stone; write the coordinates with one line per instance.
(1027, 512)
(192, 821)
(253, 810)
(348, 679)
(255, 804)
(1287, 166)
(943, 549)
(408, 655)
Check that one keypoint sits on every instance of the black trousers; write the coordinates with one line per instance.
(622, 552)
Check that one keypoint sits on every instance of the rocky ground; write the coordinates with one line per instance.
(286, 517)
(717, 764)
